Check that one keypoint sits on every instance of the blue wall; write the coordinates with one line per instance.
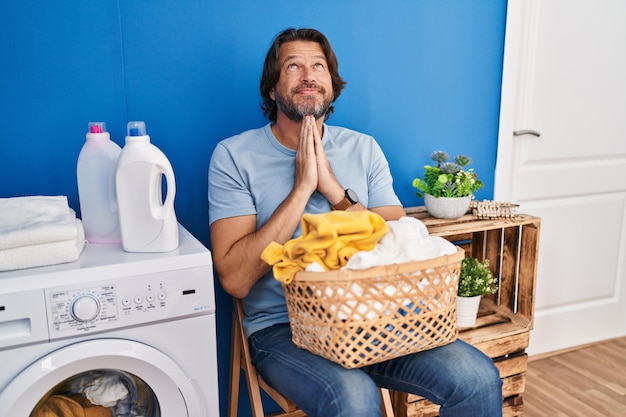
(422, 75)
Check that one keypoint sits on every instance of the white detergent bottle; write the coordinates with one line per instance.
(95, 175)
(148, 222)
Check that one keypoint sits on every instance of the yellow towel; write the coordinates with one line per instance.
(73, 406)
(329, 239)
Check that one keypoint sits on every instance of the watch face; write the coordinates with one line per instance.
(351, 195)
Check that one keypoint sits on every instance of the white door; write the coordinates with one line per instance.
(562, 156)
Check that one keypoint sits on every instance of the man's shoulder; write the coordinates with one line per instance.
(341, 132)
(244, 136)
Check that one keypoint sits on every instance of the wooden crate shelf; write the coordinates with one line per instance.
(505, 319)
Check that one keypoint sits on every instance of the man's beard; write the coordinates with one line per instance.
(309, 105)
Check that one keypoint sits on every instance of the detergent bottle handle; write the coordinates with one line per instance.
(162, 210)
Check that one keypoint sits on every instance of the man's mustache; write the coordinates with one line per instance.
(309, 86)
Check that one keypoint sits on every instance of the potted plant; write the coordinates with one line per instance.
(475, 280)
(448, 188)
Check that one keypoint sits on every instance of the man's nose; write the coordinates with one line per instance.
(307, 75)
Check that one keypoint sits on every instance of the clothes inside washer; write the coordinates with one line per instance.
(117, 393)
(74, 406)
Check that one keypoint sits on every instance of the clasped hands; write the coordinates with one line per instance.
(313, 171)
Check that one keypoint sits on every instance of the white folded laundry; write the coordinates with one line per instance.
(35, 220)
(38, 231)
(44, 254)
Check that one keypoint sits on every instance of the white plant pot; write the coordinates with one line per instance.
(447, 207)
(467, 310)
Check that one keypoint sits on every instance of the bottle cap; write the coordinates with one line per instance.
(136, 129)
(97, 127)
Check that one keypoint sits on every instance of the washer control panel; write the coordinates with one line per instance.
(129, 301)
(82, 308)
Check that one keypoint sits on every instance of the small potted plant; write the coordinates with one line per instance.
(475, 280)
(447, 187)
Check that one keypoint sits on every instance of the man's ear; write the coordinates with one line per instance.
(272, 94)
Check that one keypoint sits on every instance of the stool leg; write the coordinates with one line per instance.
(255, 394)
(235, 371)
(385, 403)
(243, 362)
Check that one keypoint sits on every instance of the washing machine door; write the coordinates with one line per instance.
(176, 395)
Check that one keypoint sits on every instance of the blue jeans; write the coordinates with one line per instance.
(457, 376)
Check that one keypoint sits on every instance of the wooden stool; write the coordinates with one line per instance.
(240, 360)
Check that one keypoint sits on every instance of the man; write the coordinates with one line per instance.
(260, 184)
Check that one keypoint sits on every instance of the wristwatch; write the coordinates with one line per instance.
(349, 200)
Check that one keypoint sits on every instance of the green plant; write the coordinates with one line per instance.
(448, 179)
(476, 278)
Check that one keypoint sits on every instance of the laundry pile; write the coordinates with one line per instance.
(328, 240)
(96, 394)
(353, 240)
(38, 231)
(69, 406)
(407, 240)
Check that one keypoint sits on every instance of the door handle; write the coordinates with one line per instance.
(527, 132)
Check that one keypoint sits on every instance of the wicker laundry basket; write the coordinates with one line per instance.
(361, 317)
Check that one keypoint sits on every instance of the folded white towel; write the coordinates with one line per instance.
(44, 254)
(38, 231)
(35, 220)
(407, 240)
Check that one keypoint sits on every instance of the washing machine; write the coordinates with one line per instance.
(113, 334)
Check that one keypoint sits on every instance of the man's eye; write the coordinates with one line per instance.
(292, 66)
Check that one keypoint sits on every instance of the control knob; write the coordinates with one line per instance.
(85, 308)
